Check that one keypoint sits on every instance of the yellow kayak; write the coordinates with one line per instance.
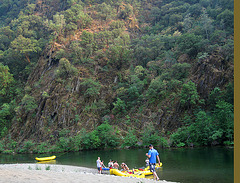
(125, 174)
(46, 158)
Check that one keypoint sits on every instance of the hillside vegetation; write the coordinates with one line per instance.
(97, 74)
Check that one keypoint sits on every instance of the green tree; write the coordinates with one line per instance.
(225, 20)
(105, 11)
(189, 95)
(218, 37)
(198, 132)
(214, 96)
(225, 119)
(90, 140)
(65, 69)
(6, 79)
(57, 25)
(206, 22)
(188, 22)
(25, 46)
(190, 44)
(148, 48)
(125, 11)
(180, 71)
(175, 19)
(6, 114)
(87, 43)
(28, 104)
(6, 36)
(157, 90)
(119, 107)
(203, 129)
(150, 136)
(155, 14)
(119, 56)
(130, 139)
(76, 18)
(90, 88)
(107, 136)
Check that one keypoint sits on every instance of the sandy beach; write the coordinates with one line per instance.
(42, 173)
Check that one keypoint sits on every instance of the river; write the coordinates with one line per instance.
(191, 165)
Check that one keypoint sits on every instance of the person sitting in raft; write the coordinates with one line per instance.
(102, 164)
(110, 164)
(147, 162)
(115, 165)
(124, 167)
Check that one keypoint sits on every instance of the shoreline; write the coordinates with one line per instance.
(41, 173)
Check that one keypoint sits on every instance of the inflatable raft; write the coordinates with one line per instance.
(45, 158)
(157, 166)
(140, 171)
(126, 174)
(145, 171)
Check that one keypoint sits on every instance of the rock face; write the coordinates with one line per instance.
(63, 103)
(213, 71)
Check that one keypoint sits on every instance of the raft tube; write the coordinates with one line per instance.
(138, 171)
(105, 168)
(124, 174)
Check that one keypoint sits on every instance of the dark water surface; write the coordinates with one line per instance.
(197, 165)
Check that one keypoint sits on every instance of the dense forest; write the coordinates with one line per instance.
(95, 74)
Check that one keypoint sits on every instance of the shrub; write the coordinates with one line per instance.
(1, 147)
(130, 139)
(179, 137)
(90, 88)
(163, 142)
(190, 44)
(65, 69)
(107, 137)
(28, 146)
(119, 107)
(41, 148)
(64, 144)
(180, 71)
(150, 136)
(89, 140)
(28, 103)
(6, 79)
(224, 116)
(4, 132)
(157, 90)
(189, 95)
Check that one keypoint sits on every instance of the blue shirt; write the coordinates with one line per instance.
(154, 154)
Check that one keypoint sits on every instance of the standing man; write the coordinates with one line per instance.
(153, 155)
(99, 165)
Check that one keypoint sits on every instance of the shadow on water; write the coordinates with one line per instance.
(197, 165)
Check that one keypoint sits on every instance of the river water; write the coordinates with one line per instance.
(195, 165)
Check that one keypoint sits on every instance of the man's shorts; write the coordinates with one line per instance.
(152, 167)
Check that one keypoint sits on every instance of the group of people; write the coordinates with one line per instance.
(111, 164)
(152, 157)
